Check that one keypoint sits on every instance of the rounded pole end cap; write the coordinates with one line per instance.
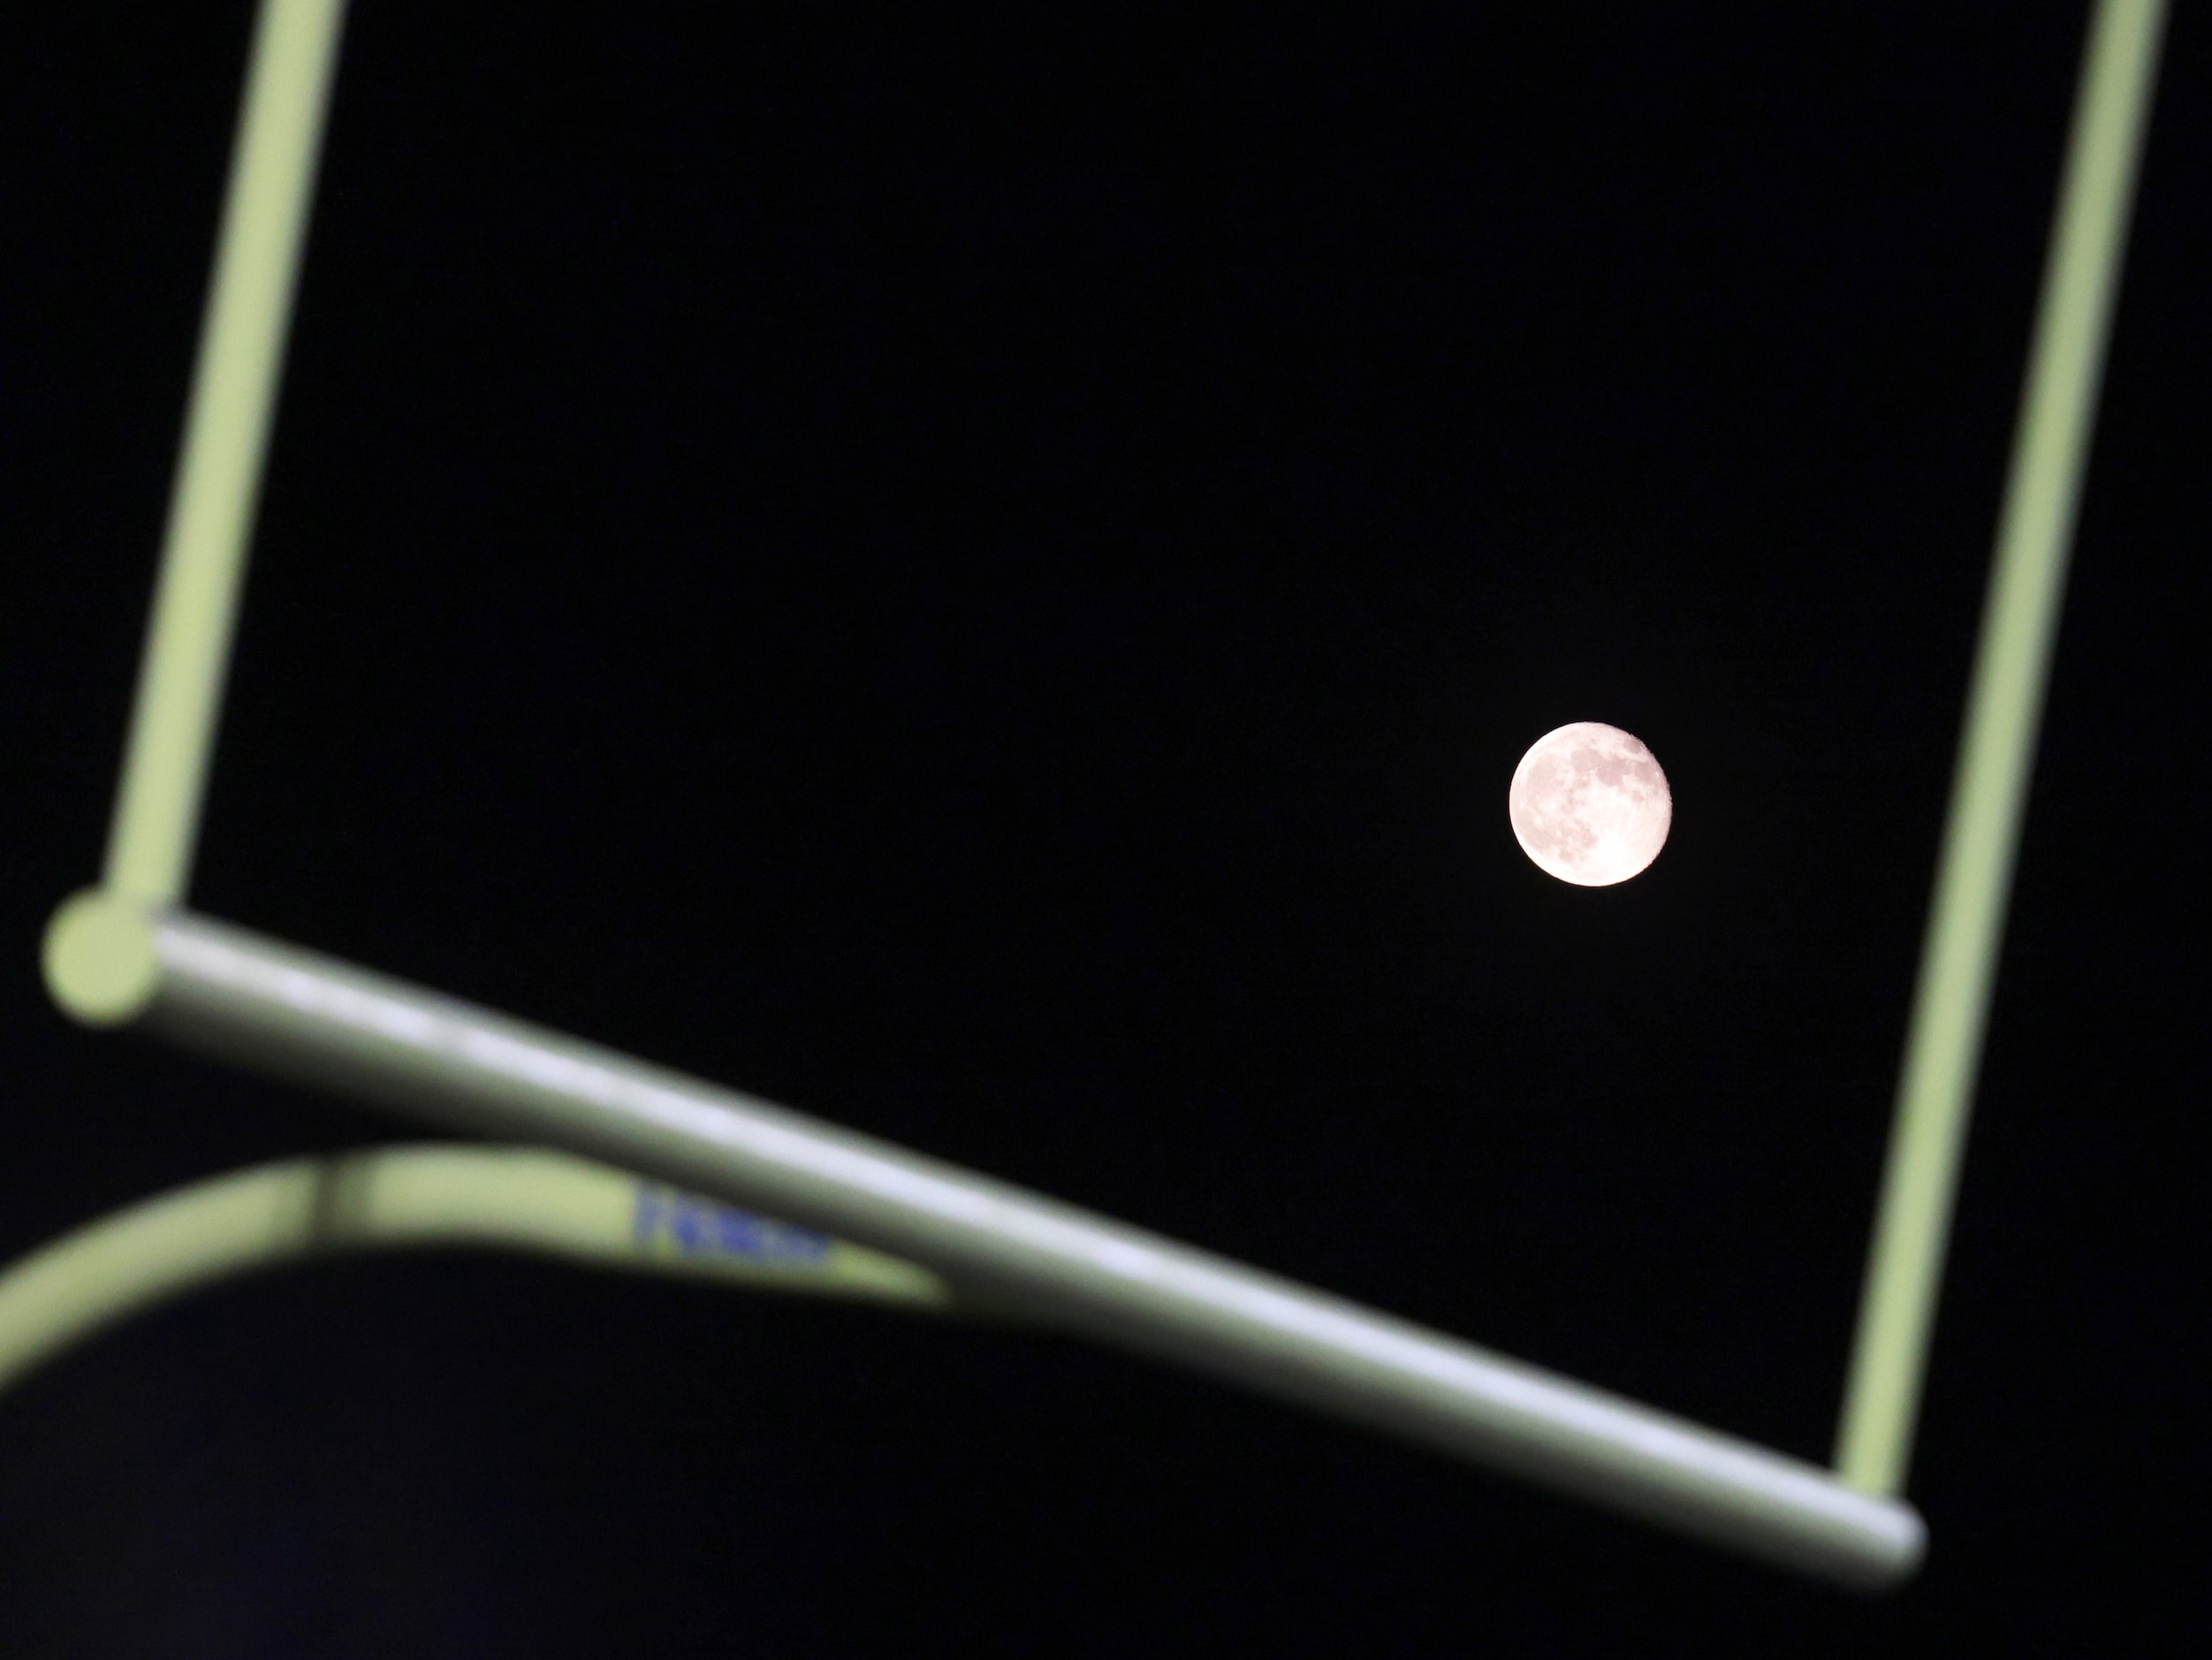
(99, 957)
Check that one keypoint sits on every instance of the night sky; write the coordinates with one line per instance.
(983, 575)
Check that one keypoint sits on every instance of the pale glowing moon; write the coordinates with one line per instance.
(1590, 805)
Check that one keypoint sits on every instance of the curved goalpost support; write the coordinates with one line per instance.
(435, 1196)
(128, 955)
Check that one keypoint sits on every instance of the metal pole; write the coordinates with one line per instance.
(306, 1017)
(226, 439)
(1997, 750)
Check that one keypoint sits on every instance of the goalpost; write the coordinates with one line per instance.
(915, 1230)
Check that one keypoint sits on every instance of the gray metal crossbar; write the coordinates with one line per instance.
(280, 1008)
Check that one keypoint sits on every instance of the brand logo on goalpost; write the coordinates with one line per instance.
(689, 1226)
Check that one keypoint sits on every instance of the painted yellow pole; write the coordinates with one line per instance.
(444, 1197)
(227, 433)
(1996, 752)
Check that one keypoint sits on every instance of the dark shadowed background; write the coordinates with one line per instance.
(984, 575)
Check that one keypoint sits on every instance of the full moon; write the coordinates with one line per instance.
(1590, 805)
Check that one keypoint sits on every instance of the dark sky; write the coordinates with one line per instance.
(984, 576)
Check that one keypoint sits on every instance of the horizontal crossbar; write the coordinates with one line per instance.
(212, 986)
